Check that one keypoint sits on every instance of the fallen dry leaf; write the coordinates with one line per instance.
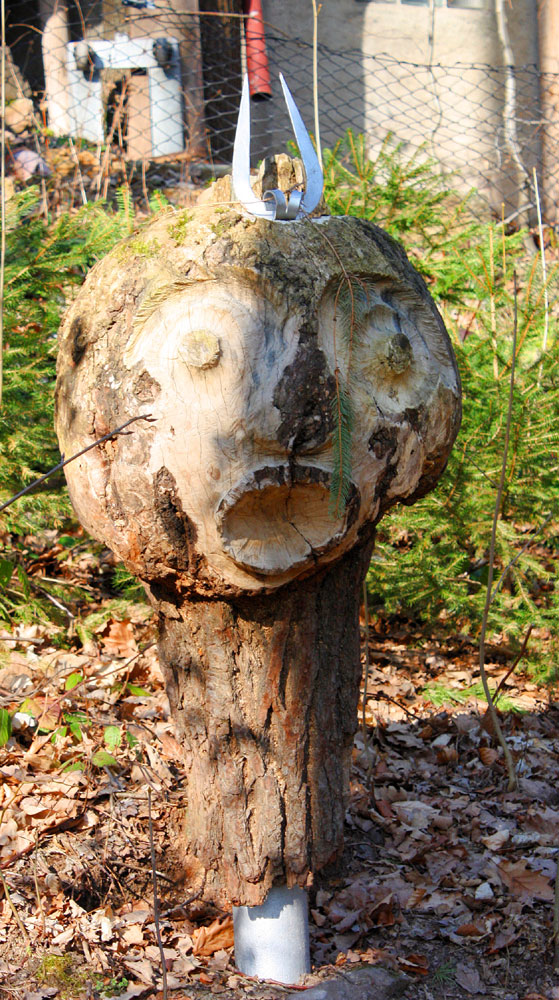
(523, 882)
(417, 895)
(384, 808)
(470, 930)
(468, 977)
(382, 913)
(217, 935)
(414, 813)
(133, 935)
(488, 755)
(318, 918)
(171, 747)
(496, 840)
(118, 638)
(142, 970)
(416, 964)
(219, 961)
(502, 940)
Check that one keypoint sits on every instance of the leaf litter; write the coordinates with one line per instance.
(445, 877)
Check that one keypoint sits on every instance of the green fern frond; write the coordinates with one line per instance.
(125, 204)
(157, 292)
(353, 306)
(351, 320)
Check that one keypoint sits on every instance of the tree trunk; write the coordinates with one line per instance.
(264, 694)
(54, 18)
(222, 71)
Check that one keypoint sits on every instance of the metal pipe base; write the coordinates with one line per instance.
(272, 940)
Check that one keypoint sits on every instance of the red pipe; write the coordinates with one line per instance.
(257, 59)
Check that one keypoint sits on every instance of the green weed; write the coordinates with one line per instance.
(444, 973)
(438, 695)
(113, 988)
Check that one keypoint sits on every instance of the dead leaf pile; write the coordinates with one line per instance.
(446, 876)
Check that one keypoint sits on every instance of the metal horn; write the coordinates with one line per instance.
(275, 205)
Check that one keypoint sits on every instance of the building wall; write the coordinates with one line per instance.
(421, 74)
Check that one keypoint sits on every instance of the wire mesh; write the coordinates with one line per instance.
(116, 89)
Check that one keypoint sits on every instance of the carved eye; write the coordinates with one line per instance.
(398, 353)
(200, 349)
(390, 354)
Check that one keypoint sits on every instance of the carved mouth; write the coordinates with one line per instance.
(276, 519)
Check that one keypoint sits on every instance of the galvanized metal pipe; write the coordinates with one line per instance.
(272, 940)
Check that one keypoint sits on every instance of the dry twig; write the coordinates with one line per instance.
(513, 781)
(556, 923)
(37, 889)
(16, 915)
(156, 899)
(544, 273)
(316, 12)
(367, 668)
(514, 665)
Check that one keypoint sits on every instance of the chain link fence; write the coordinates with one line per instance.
(483, 127)
(117, 91)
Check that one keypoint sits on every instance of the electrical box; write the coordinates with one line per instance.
(153, 110)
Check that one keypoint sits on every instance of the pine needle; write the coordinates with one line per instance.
(341, 473)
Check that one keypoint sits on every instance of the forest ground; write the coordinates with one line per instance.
(446, 877)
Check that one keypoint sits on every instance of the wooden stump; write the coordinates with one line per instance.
(249, 527)
(264, 692)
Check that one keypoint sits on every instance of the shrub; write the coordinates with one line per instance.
(45, 265)
(431, 559)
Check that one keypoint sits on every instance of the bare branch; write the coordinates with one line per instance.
(489, 595)
(66, 461)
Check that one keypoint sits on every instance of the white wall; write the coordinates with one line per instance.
(405, 77)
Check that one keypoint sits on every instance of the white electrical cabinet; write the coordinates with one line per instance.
(154, 105)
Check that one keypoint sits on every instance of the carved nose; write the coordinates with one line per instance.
(305, 396)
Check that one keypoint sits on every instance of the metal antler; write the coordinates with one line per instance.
(274, 204)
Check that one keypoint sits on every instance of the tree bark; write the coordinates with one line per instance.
(264, 692)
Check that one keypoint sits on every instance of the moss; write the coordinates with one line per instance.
(222, 226)
(178, 231)
(136, 247)
(59, 971)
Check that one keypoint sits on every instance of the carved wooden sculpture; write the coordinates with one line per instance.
(244, 339)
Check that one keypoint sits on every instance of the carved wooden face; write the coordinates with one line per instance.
(233, 485)
(246, 420)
